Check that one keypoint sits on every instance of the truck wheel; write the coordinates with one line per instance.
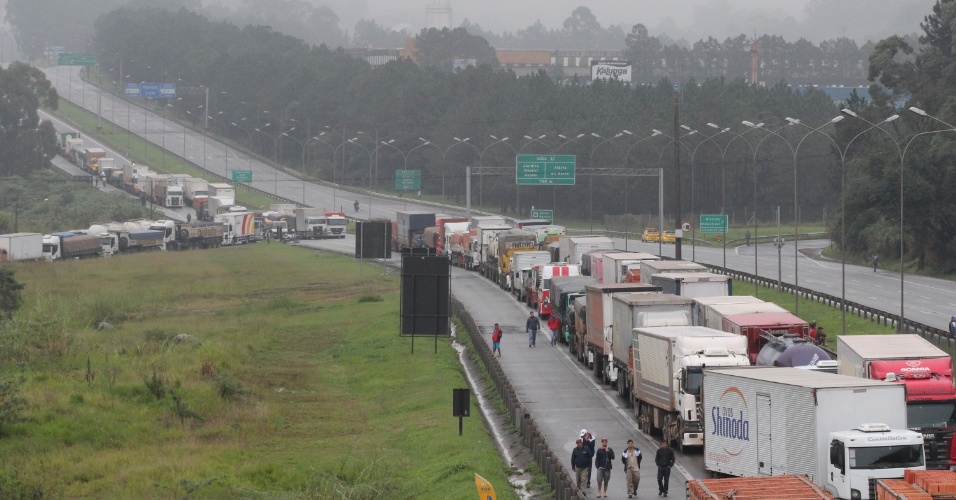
(643, 419)
(680, 436)
(670, 430)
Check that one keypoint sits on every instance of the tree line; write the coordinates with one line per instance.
(286, 99)
(343, 120)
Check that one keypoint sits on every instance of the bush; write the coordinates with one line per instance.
(11, 402)
(370, 298)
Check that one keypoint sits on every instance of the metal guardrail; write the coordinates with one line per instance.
(531, 434)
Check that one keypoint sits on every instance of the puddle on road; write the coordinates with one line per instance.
(519, 480)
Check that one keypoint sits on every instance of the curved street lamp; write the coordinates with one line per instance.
(406, 155)
(660, 181)
(796, 212)
(660, 159)
(481, 162)
(723, 163)
(756, 150)
(444, 152)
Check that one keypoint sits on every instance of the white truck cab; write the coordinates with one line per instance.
(860, 457)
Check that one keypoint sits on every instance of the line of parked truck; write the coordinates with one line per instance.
(740, 377)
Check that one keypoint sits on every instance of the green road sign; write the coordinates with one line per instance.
(713, 223)
(242, 176)
(408, 179)
(547, 215)
(77, 59)
(537, 170)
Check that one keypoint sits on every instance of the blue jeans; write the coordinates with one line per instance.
(554, 336)
(531, 336)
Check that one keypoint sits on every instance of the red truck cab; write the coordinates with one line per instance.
(927, 373)
(541, 279)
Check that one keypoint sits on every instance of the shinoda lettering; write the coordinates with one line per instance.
(728, 425)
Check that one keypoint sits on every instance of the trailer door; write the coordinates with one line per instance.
(764, 446)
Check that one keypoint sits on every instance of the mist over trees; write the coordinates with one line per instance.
(318, 97)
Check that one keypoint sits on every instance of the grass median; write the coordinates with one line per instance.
(262, 371)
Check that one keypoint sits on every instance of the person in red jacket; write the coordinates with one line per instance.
(554, 324)
(496, 340)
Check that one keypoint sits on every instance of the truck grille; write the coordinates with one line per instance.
(938, 443)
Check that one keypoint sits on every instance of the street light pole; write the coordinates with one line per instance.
(843, 152)
(677, 221)
(655, 133)
(796, 210)
(481, 162)
(951, 128)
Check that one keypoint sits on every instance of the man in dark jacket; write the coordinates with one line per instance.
(580, 462)
(603, 460)
(664, 460)
(588, 439)
(532, 326)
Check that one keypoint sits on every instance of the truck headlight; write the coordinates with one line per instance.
(855, 495)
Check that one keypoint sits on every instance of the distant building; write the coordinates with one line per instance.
(438, 16)
(375, 57)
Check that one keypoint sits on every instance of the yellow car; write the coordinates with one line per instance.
(650, 234)
(669, 237)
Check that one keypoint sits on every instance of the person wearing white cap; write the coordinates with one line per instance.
(588, 441)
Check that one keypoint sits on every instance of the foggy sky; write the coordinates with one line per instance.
(690, 19)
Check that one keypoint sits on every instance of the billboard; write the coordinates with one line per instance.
(611, 70)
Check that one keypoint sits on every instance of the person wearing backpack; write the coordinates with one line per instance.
(496, 340)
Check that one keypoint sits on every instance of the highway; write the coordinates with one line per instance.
(562, 396)
(927, 300)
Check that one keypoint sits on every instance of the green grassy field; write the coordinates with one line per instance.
(293, 384)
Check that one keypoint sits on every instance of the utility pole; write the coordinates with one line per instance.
(677, 215)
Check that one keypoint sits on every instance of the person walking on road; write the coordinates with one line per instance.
(554, 324)
(496, 340)
(604, 461)
(664, 460)
(876, 261)
(532, 326)
(588, 439)
(748, 238)
(632, 468)
(952, 326)
(580, 462)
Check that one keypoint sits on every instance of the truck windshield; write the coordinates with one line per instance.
(887, 457)
(337, 222)
(924, 415)
(695, 378)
